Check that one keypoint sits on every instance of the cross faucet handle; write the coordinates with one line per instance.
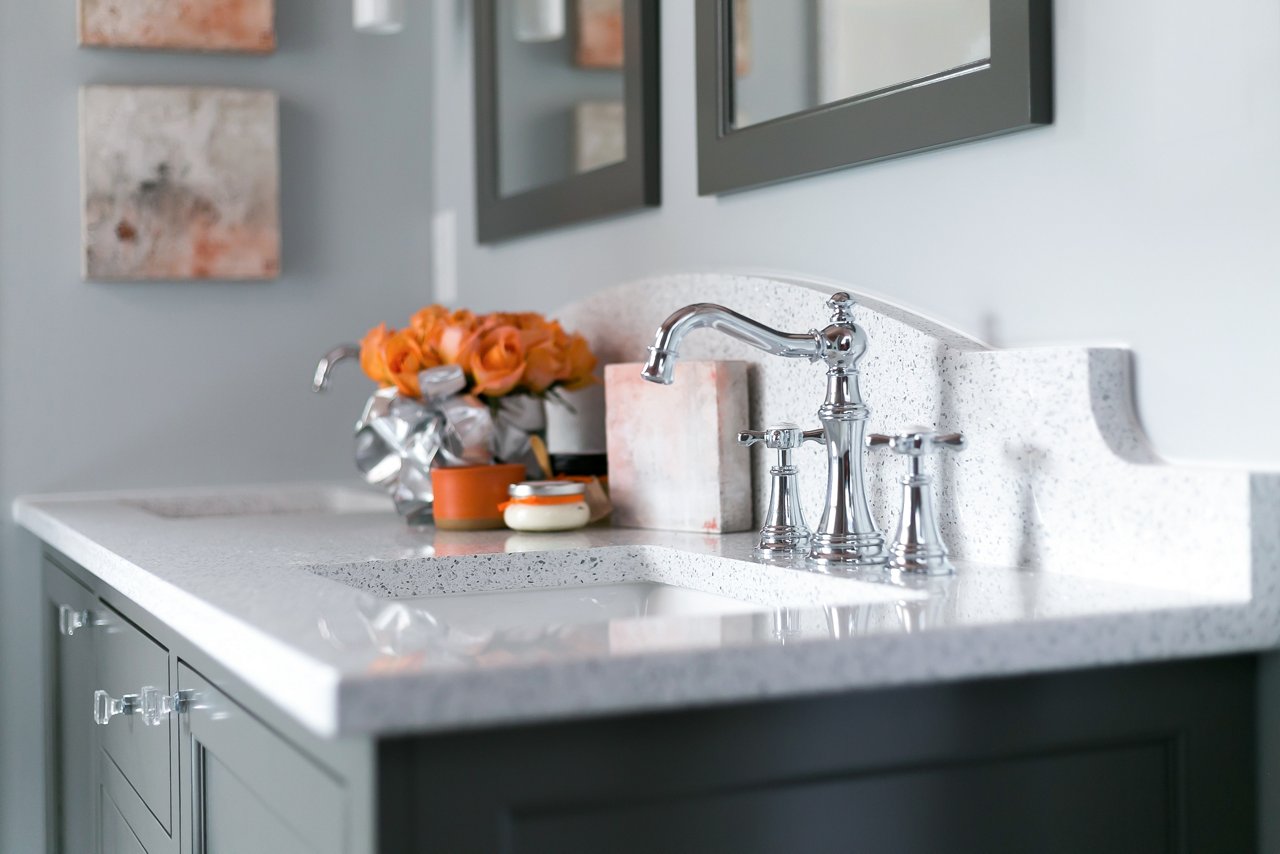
(918, 442)
(784, 533)
(783, 436)
(917, 546)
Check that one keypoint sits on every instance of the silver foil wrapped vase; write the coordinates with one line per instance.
(399, 439)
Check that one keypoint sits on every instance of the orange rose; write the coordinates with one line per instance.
(544, 366)
(426, 323)
(452, 337)
(371, 357)
(581, 364)
(535, 329)
(404, 359)
(496, 361)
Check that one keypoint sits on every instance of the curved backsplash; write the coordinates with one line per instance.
(1057, 475)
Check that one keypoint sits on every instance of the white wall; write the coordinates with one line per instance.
(115, 385)
(1146, 215)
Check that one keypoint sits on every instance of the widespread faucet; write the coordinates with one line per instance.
(847, 535)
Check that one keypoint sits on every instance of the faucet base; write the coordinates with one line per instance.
(920, 560)
(782, 541)
(851, 549)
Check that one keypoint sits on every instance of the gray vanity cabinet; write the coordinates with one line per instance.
(208, 778)
(244, 791)
(71, 748)
(109, 788)
(1124, 760)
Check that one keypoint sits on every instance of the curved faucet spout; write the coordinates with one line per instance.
(328, 360)
(662, 355)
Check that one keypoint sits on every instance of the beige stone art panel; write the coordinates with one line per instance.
(180, 183)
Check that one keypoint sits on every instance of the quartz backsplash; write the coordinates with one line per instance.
(1057, 475)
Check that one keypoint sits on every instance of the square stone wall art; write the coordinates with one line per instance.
(215, 25)
(180, 183)
(600, 134)
(600, 34)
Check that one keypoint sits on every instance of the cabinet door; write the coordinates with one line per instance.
(1154, 759)
(243, 789)
(69, 686)
(117, 836)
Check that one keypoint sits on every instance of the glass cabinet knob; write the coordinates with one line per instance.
(70, 619)
(106, 707)
(158, 705)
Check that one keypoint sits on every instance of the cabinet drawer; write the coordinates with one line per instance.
(128, 661)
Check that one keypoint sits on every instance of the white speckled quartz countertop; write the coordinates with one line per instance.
(312, 594)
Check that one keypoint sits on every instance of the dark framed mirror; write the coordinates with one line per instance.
(566, 112)
(788, 89)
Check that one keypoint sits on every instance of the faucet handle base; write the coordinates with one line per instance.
(784, 533)
(920, 561)
(849, 550)
(918, 548)
(782, 541)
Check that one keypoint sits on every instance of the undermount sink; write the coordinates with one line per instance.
(492, 594)
(579, 605)
(272, 501)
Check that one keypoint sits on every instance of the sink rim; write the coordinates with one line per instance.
(764, 586)
(194, 505)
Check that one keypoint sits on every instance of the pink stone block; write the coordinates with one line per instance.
(674, 463)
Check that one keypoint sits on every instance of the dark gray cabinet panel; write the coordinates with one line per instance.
(1101, 802)
(69, 687)
(1158, 758)
(244, 790)
(128, 661)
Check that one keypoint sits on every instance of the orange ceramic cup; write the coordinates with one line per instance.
(467, 499)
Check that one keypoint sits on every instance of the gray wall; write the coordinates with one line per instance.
(125, 385)
(1147, 215)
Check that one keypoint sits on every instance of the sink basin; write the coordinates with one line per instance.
(622, 588)
(578, 605)
(268, 501)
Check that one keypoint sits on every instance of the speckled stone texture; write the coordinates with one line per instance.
(1058, 475)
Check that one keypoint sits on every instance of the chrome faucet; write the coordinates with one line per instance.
(847, 535)
(329, 360)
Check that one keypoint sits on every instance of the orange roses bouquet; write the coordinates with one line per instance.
(500, 353)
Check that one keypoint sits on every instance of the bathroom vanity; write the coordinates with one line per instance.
(292, 668)
(331, 694)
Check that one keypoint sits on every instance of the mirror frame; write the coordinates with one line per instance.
(632, 183)
(1011, 91)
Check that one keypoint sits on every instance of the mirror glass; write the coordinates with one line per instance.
(560, 90)
(791, 56)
